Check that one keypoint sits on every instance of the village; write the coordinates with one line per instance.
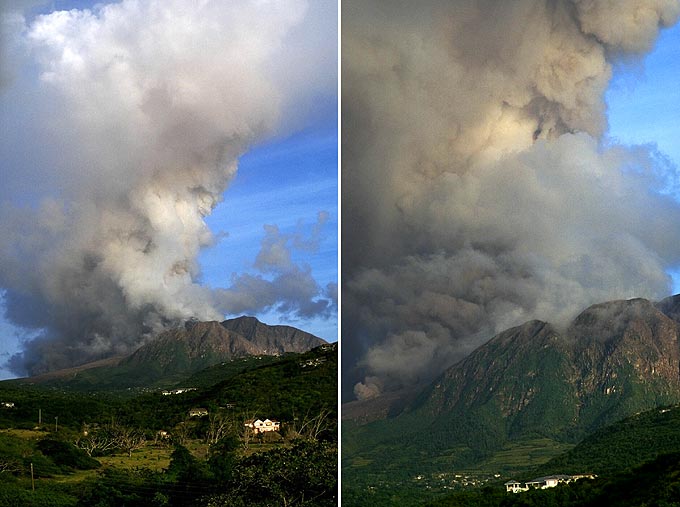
(549, 481)
(465, 480)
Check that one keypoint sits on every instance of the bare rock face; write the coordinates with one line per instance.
(198, 345)
(614, 360)
(273, 339)
(628, 357)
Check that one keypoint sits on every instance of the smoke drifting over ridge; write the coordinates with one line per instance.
(139, 118)
(477, 190)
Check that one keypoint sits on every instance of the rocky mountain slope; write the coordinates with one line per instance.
(272, 339)
(615, 359)
(197, 345)
(176, 353)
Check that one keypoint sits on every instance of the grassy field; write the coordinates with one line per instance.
(25, 434)
(520, 456)
(151, 457)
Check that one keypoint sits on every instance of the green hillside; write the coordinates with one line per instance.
(123, 459)
(623, 445)
(212, 375)
(516, 402)
(296, 385)
(637, 461)
(280, 386)
(656, 483)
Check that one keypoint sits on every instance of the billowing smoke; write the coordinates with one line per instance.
(138, 119)
(478, 188)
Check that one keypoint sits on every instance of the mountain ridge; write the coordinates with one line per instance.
(176, 353)
(625, 351)
(531, 383)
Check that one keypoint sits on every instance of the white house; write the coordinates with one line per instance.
(514, 487)
(260, 426)
(198, 412)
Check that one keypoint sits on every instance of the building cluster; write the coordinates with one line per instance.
(549, 481)
(312, 362)
(198, 412)
(178, 391)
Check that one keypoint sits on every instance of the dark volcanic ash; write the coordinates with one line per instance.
(478, 192)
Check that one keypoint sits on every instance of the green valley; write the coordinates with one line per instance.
(186, 444)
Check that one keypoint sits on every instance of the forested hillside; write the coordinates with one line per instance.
(172, 448)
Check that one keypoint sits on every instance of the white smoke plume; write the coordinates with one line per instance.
(479, 190)
(140, 114)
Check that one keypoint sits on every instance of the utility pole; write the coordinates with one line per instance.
(56, 421)
(32, 478)
(39, 416)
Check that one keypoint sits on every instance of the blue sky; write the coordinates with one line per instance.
(644, 103)
(256, 197)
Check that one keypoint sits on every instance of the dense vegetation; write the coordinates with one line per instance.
(656, 483)
(617, 453)
(282, 388)
(623, 445)
(126, 448)
(125, 377)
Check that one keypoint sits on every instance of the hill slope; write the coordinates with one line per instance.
(175, 354)
(616, 359)
(529, 383)
(623, 445)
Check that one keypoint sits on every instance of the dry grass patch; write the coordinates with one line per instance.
(153, 458)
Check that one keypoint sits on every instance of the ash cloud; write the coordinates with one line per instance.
(124, 145)
(479, 189)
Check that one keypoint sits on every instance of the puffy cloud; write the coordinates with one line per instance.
(281, 283)
(477, 190)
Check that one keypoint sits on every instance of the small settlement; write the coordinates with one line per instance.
(549, 481)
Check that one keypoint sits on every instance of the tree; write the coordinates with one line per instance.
(188, 475)
(302, 475)
(180, 433)
(218, 428)
(9, 465)
(110, 437)
(223, 457)
(311, 426)
(129, 439)
(65, 454)
(97, 442)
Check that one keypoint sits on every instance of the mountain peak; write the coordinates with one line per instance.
(200, 344)
(623, 320)
(616, 311)
(249, 319)
(273, 339)
(670, 306)
(615, 358)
